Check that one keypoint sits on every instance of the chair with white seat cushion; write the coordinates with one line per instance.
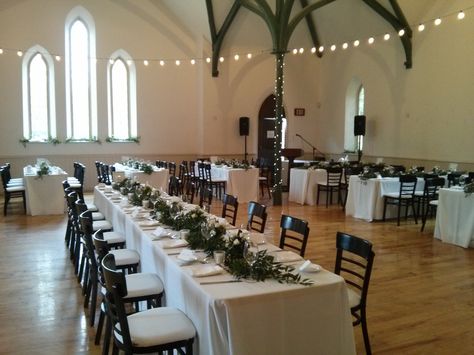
(331, 185)
(11, 191)
(405, 197)
(155, 330)
(354, 262)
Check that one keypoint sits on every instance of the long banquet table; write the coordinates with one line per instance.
(365, 197)
(455, 217)
(245, 317)
(44, 195)
(157, 179)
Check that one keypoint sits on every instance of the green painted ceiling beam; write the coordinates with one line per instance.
(312, 29)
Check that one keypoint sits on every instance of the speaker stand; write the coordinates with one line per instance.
(245, 151)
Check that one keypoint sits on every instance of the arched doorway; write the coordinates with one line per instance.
(266, 130)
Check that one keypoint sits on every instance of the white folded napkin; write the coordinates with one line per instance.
(174, 243)
(148, 223)
(308, 266)
(286, 256)
(206, 270)
(161, 232)
(186, 256)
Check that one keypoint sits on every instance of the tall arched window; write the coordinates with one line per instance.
(39, 113)
(122, 103)
(81, 92)
(355, 105)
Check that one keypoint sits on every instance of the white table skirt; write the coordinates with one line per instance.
(455, 218)
(246, 317)
(45, 195)
(304, 185)
(365, 197)
(157, 179)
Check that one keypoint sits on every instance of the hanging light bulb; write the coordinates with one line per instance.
(356, 43)
(193, 61)
(208, 60)
(386, 37)
(19, 53)
(111, 61)
(437, 22)
(1, 51)
(301, 50)
(249, 55)
(401, 32)
(58, 58)
(345, 45)
(371, 40)
(321, 49)
(129, 62)
(421, 27)
(145, 63)
(333, 47)
(295, 51)
(178, 63)
(236, 57)
(461, 15)
(162, 62)
(221, 59)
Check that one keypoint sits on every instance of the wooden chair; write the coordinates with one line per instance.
(172, 168)
(98, 167)
(11, 190)
(430, 198)
(175, 188)
(403, 198)
(132, 333)
(215, 184)
(454, 178)
(205, 198)
(256, 217)
(344, 187)
(331, 185)
(189, 191)
(294, 234)
(230, 205)
(356, 271)
(264, 180)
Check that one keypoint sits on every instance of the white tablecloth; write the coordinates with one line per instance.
(365, 201)
(44, 195)
(241, 183)
(246, 317)
(304, 185)
(455, 217)
(157, 179)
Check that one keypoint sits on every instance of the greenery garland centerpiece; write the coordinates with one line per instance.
(146, 168)
(139, 194)
(469, 189)
(209, 234)
(43, 169)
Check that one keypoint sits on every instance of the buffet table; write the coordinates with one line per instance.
(365, 197)
(45, 194)
(244, 317)
(157, 179)
(241, 183)
(455, 217)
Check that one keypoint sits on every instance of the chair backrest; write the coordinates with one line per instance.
(86, 224)
(116, 286)
(453, 178)
(407, 185)
(3, 172)
(201, 172)
(207, 173)
(294, 233)
(205, 197)
(192, 169)
(432, 186)
(189, 191)
(183, 171)
(256, 216)
(98, 168)
(334, 175)
(71, 202)
(105, 170)
(229, 208)
(355, 270)
(172, 168)
(101, 246)
(174, 187)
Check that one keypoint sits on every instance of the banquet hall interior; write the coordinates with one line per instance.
(364, 82)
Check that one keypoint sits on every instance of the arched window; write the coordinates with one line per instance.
(81, 92)
(122, 103)
(355, 105)
(39, 113)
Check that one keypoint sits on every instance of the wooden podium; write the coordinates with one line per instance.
(291, 154)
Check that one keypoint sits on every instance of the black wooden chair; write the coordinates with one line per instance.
(294, 234)
(132, 333)
(11, 190)
(189, 191)
(331, 185)
(264, 180)
(175, 188)
(256, 217)
(230, 206)
(205, 198)
(430, 198)
(356, 270)
(172, 168)
(405, 197)
(454, 178)
(215, 184)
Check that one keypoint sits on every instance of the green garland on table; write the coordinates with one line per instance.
(469, 189)
(208, 234)
(43, 170)
(146, 168)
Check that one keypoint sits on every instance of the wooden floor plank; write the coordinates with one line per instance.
(421, 297)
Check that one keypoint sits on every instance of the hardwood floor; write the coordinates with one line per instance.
(421, 297)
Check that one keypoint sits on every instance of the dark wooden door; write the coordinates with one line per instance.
(266, 130)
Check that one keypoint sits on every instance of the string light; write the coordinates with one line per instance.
(301, 50)
(145, 63)
(437, 22)
(356, 43)
(345, 45)
(1, 51)
(371, 40)
(386, 37)
(19, 53)
(321, 49)
(249, 55)
(313, 50)
(162, 62)
(178, 63)
(333, 47)
(58, 58)
(461, 15)
(295, 51)
(193, 61)
(129, 62)
(236, 57)
(208, 60)
(221, 59)
(111, 61)
(421, 27)
(401, 32)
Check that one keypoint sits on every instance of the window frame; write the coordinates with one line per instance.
(29, 56)
(81, 14)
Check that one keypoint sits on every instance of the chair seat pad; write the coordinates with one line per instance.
(104, 225)
(419, 193)
(15, 188)
(159, 326)
(262, 178)
(114, 237)
(354, 297)
(125, 257)
(75, 185)
(91, 207)
(97, 216)
(324, 183)
(143, 284)
(72, 179)
(397, 195)
(15, 184)
(434, 203)
(219, 181)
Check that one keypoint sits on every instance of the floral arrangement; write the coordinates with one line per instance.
(469, 189)
(146, 168)
(209, 234)
(233, 164)
(43, 169)
(139, 194)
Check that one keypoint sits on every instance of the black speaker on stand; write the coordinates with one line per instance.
(244, 126)
(359, 130)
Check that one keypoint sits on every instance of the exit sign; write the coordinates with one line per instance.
(299, 111)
